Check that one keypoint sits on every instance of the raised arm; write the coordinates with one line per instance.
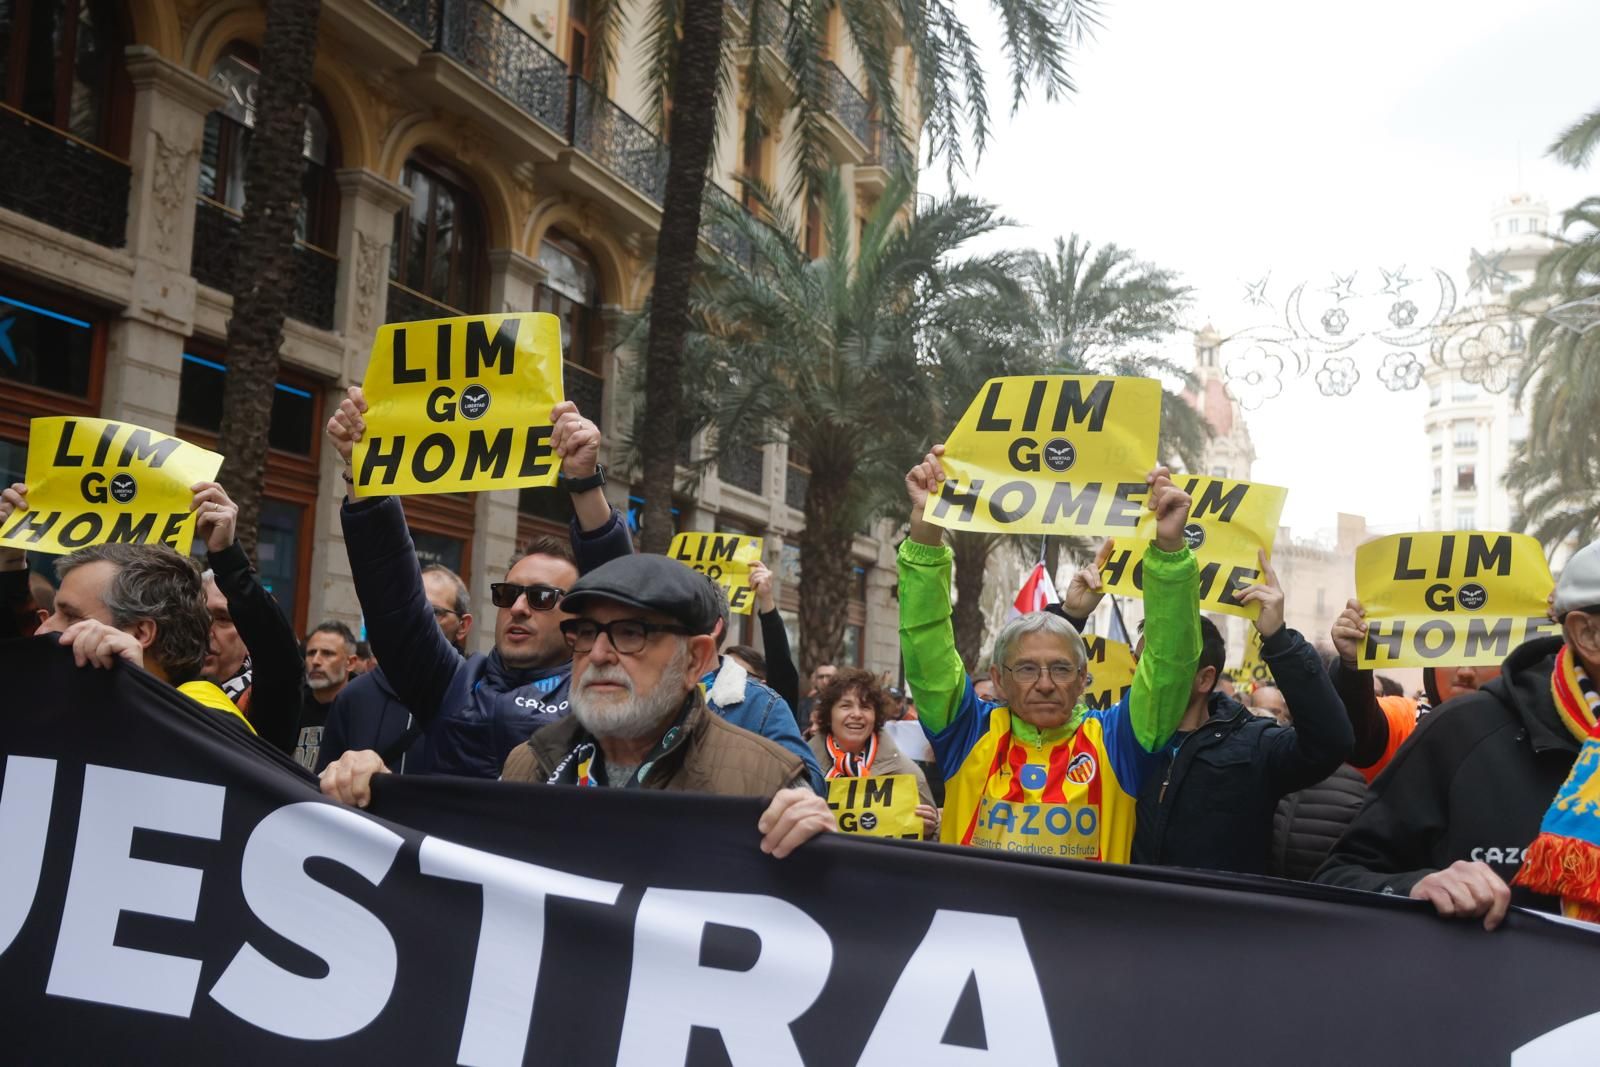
(1321, 738)
(16, 599)
(598, 531)
(782, 675)
(1165, 674)
(1369, 724)
(277, 668)
(934, 671)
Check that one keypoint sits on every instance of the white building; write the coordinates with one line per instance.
(1472, 421)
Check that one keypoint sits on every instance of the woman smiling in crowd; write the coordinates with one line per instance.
(851, 710)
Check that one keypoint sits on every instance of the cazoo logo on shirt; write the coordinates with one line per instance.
(1511, 856)
(540, 706)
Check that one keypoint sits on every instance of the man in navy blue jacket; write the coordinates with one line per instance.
(477, 708)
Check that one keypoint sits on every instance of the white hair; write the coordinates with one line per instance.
(1038, 622)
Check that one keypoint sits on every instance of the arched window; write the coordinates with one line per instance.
(439, 248)
(571, 292)
(59, 60)
(226, 148)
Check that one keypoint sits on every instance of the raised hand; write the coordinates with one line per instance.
(762, 582)
(348, 424)
(13, 499)
(1349, 630)
(216, 516)
(575, 439)
(1084, 591)
(1171, 507)
(1269, 594)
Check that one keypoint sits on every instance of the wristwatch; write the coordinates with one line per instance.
(582, 485)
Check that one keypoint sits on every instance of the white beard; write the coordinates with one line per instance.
(637, 715)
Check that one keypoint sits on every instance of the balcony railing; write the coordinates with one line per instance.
(847, 104)
(617, 141)
(774, 21)
(216, 243)
(887, 149)
(488, 43)
(51, 176)
(421, 15)
(718, 232)
(744, 467)
(408, 305)
(586, 389)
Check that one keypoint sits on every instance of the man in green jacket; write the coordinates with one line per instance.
(1037, 771)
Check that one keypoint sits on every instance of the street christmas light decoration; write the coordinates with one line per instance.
(1579, 316)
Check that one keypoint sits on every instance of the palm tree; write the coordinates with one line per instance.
(825, 354)
(1578, 141)
(689, 71)
(265, 269)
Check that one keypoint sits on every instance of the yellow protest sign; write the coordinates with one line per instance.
(1253, 670)
(1110, 672)
(93, 481)
(1057, 454)
(882, 805)
(459, 405)
(725, 558)
(1228, 523)
(1456, 599)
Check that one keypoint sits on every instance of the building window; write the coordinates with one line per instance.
(52, 358)
(1438, 479)
(296, 405)
(281, 538)
(1518, 428)
(1436, 442)
(439, 248)
(226, 147)
(755, 156)
(850, 647)
(1219, 472)
(1461, 389)
(1466, 519)
(1466, 434)
(571, 292)
(59, 61)
(1435, 393)
(1514, 226)
(813, 234)
(578, 37)
(1466, 478)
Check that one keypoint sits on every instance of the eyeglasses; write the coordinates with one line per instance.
(541, 597)
(440, 614)
(627, 636)
(1028, 673)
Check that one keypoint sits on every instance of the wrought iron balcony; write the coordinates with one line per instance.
(846, 103)
(422, 16)
(586, 389)
(774, 20)
(51, 176)
(744, 467)
(718, 232)
(216, 242)
(408, 305)
(890, 153)
(491, 45)
(617, 141)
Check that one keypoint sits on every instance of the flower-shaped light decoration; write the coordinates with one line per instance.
(1254, 376)
(1489, 357)
(1400, 370)
(1334, 320)
(1338, 376)
(1402, 313)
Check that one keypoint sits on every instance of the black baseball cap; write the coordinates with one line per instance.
(651, 583)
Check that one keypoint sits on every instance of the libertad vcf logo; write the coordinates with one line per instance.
(1472, 596)
(1060, 455)
(474, 402)
(123, 487)
(1194, 535)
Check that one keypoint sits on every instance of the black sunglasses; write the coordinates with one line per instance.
(541, 597)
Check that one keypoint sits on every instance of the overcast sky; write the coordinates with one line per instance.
(1234, 138)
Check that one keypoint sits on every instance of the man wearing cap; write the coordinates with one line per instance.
(640, 629)
(1450, 819)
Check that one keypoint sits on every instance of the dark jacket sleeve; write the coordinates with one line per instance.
(1321, 738)
(1368, 721)
(1389, 846)
(419, 663)
(336, 731)
(782, 675)
(590, 548)
(276, 666)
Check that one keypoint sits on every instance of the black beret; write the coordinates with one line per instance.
(652, 583)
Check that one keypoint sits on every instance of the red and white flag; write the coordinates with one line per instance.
(1037, 591)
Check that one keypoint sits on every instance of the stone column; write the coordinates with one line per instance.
(144, 350)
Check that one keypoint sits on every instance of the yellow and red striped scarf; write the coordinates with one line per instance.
(1564, 860)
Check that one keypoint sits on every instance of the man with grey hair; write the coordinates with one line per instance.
(1038, 772)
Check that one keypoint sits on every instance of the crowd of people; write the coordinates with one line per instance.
(611, 669)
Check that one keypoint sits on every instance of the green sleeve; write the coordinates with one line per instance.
(1165, 675)
(934, 671)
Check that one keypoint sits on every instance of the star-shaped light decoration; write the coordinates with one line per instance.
(1255, 293)
(1485, 272)
(1579, 316)
(1343, 288)
(1394, 281)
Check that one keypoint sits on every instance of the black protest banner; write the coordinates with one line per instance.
(172, 891)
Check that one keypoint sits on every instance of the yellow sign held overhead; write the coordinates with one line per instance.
(1451, 599)
(1056, 454)
(1228, 523)
(1110, 672)
(883, 805)
(725, 558)
(94, 481)
(460, 405)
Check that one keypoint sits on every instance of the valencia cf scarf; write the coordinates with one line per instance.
(1564, 859)
(851, 764)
